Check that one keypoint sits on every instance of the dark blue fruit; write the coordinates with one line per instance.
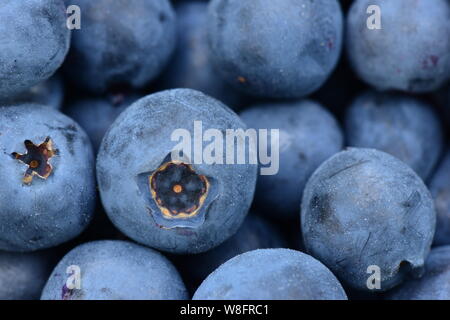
(363, 209)
(308, 135)
(281, 49)
(411, 51)
(440, 189)
(120, 43)
(34, 43)
(271, 274)
(191, 65)
(47, 183)
(399, 125)
(23, 275)
(179, 204)
(96, 114)
(114, 270)
(434, 285)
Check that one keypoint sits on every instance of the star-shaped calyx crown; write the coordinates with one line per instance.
(37, 159)
(176, 194)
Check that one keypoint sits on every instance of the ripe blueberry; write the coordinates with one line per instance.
(279, 49)
(114, 270)
(47, 182)
(309, 135)
(120, 43)
(411, 50)
(271, 274)
(35, 41)
(364, 208)
(175, 205)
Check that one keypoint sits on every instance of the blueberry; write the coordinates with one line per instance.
(280, 49)
(23, 275)
(440, 189)
(114, 270)
(49, 92)
(271, 274)
(411, 51)
(175, 205)
(191, 65)
(302, 125)
(363, 210)
(255, 233)
(47, 182)
(35, 41)
(433, 285)
(120, 43)
(399, 125)
(96, 114)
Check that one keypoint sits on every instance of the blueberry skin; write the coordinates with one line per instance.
(271, 274)
(412, 50)
(255, 233)
(363, 207)
(49, 92)
(399, 125)
(46, 212)
(120, 43)
(138, 143)
(35, 41)
(96, 114)
(434, 285)
(278, 49)
(440, 190)
(23, 275)
(302, 125)
(116, 270)
(191, 66)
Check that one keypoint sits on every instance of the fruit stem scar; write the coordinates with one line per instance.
(177, 188)
(178, 191)
(36, 158)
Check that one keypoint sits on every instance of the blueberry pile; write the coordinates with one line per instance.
(101, 199)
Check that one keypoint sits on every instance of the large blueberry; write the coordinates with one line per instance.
(47, 181)
(114, 270)
(308, 135)
(366, 213)
(186, 204)
(271, 274)
(120, 43)
(272, 48)
(434, 285)
(255, 233)
(23, 275)
(34, 43)
(411, 49)
(440, 189)
(96, 114)
(191, 65)
(399, 125)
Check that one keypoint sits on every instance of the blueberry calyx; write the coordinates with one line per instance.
(37, 159)
(177, 195)
(178, 190)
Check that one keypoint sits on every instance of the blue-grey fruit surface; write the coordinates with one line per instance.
(180, 206)
(271, 274)
(47, 179)
(114, 270)
(35, 41)
(365, 212)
